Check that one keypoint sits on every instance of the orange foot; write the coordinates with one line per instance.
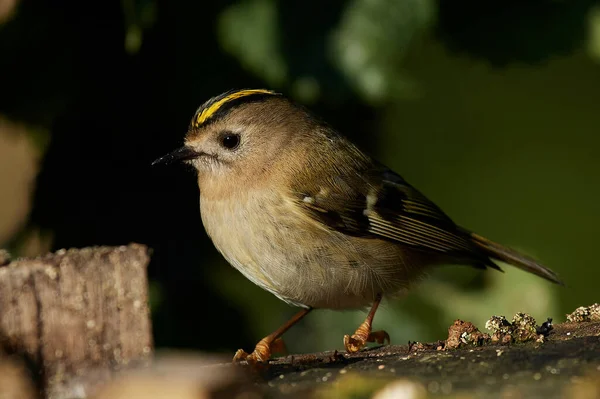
(262, 351)
(360, 338)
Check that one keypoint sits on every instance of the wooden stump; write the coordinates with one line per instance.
(15, 381)
(77, 315)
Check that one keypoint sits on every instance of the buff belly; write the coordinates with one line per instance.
(302, 263)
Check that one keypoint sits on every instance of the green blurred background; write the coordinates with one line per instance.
(491, 108)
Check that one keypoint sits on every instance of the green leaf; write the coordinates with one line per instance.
(371, 41)
(249, 30)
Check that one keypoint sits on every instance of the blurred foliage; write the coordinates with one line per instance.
(374, 69)
(139, 16)
(505, 31)
(250, 30)
(593, 41)
(490, 108)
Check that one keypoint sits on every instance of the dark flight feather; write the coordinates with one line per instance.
(375, 202)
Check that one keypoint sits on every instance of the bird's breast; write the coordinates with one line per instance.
(268, 239)
(251, 232)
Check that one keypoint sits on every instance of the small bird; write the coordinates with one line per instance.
(303, 213)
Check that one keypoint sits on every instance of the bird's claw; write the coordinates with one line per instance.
(359, 339)
(262, 352)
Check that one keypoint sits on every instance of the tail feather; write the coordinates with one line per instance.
(514, 258)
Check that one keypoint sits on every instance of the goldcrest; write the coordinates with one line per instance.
(302, 212)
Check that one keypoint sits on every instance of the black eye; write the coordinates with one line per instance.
(230, 140)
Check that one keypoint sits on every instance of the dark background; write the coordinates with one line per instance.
(490, 108)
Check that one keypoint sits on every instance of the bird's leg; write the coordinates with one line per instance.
(272, 342)
(364, 334)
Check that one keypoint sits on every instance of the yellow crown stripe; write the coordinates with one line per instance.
(210, 111)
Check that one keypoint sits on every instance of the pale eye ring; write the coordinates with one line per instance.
(230, 140)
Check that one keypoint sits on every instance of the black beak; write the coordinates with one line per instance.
(182, 154)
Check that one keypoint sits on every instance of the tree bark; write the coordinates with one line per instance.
(77, 316)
